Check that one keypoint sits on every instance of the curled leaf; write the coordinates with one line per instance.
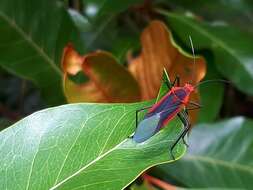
(107, 81)
(160, 51)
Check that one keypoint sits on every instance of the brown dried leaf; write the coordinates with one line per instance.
(108, 81)
(160, 51)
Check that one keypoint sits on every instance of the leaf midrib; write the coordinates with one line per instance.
(82, 126)
(30, 41)
(100, 156)
(89, 164)
(220, 162)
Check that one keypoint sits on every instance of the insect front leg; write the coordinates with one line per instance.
(176, 81)
(137, 112)
(184, 118)
(169, 85)
(194, 106)
(136, 116)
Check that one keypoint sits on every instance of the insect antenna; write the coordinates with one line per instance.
(194, 60)
(194, 70)
(210, 81)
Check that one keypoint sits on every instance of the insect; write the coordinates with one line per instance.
(176, 102)
(161, 113)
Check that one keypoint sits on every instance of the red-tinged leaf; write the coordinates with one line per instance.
(108, 80)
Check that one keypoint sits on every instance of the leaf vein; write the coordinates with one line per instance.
(30, 41)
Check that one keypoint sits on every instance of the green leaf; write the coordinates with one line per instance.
(107, 29)
(80, 146)
(220, 155)
(232, 49)
(79, 20)
(238, 13)
(33, 34)
(108, 81)
(102, 7)
(211, 104)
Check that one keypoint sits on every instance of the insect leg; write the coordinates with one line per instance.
(195, 104)
(187, 121)
(176, 81)
(183, 116)
(187, 125)
(136, 114)
(193, 107)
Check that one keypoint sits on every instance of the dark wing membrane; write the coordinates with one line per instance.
(168, 101)
(152, 124)
(146, 128)
(168, 114)
(180, 93)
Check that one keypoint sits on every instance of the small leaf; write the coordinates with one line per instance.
(221, 151)
(81, 146)
(160, 51)
(108, 80)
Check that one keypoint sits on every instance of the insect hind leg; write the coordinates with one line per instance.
(183, 117)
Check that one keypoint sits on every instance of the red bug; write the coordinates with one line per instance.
(158, 116)
(170, 106)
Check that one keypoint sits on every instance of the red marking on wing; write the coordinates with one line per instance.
(172, 91)
(160, 101)
(183, 102)
(171, 116)
(175, 98)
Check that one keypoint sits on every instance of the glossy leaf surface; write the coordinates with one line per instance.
(80, 146)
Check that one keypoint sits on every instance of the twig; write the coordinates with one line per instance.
(157, 182)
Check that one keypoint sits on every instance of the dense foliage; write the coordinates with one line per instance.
(97, 62)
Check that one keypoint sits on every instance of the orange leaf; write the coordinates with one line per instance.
(108, 81)
(160, 51)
